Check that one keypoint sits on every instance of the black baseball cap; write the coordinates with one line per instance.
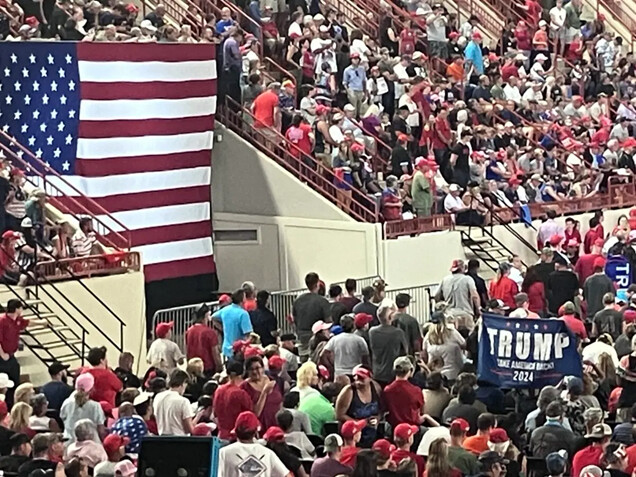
(17, 439)
(490, 458)
(56, 367)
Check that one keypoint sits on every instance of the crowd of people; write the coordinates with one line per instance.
(28, 234)
(361, 388)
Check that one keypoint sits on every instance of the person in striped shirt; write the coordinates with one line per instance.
(85, 241)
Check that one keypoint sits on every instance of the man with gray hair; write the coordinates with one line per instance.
(387, 343)
(87, 444)
(458, 290)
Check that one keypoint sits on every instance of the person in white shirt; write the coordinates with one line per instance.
(172, 411)
(537, 72)
(164, 353)
(533, 93)
(620, 131)
(511, 90)
(557, 24)
(602, 345)
(453, 203)
(295, 27)
(247, 457)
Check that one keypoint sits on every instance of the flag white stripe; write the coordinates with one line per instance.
(131, 109)
(103, 148)
(172, 251)
(141, 72)
(131, 183)
(158, 216)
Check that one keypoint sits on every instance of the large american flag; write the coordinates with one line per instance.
(130, 126)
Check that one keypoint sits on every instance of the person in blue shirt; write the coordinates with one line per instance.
(235, 321)
(225, 23)
(473, 55)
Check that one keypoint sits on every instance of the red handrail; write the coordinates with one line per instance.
(34, 166)
(321, 178)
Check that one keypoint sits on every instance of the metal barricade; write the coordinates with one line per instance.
(182, 316)
(421, 305)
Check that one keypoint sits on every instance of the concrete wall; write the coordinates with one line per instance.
(287, 248)
(245, 181)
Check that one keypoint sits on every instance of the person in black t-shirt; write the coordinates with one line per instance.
(20, 451)
(56, 390)
(338, 309)
(563, 286)
(308, 309)
(459, 159)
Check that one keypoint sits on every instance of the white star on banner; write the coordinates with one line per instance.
(69, 59)
(38, 153)
(60, 127)
(7, 72)
(61, 72)
(69, 139)
(17, 86)
(24, 128)
(49, 141)
(43, 72)
(36, 114)
(65, 166)
(5, 128)
(53, 86)
(50, 58)
(45, 99)
(8, 99)
(17, 114)
(20, 154)
(27, 99)
(36, 86)
(14, 59)
(32, 59)
(57, 152)
(54, 114)
(43, 127)
(71, 114)
(31, 141)
(71, 85)
(63, 99)
(25, 73)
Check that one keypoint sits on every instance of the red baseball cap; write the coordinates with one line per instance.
(357, 147)
(276, 362)
(461, 424)
(351, 428)
(402, 137)
(247, 422)
(361, 372)
(202, 430)
(555, 240)
(10, 234)
(113, 442)
(275, 434)
(163, 329)
(362, 319)
(498, 436)
(514, 181)
(404, 431)
(250, 351)
(477, 36)
(383, 447)
(225, 299)
(599, 262)
(239, 346)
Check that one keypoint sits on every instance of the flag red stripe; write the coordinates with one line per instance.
(145, 127)
(141, 200)
(171, 233)
(131, 164)
(179, 268)
(151, 89)
(140, 52)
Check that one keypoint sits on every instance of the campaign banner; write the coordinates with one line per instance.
(525, 352)
(619, 269)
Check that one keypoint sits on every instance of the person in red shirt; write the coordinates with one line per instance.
(584, 267)
(571, 231)
(403, 438)
(523, 37)
(574, 324)
(479, 442)
(249, 302)
(534, 287)
(202, 342)
(300, 137)
(594, 233)
(598, 438)
(441, 135)
(351, 433)
(391, 202)
(266, 111)
(533, 9)
(230, 400)
(403, 400)
(107, 384)
(11, 324)
(503, 288)
(407, 38)
(511, 69)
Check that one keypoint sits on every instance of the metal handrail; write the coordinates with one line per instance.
(125, 261)
(98, 209)
(307, 167)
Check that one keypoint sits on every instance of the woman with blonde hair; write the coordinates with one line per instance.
(24, 392)
(446, 343)
(306, 380)
(19, 418)
(196, 379)
(438, 463)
